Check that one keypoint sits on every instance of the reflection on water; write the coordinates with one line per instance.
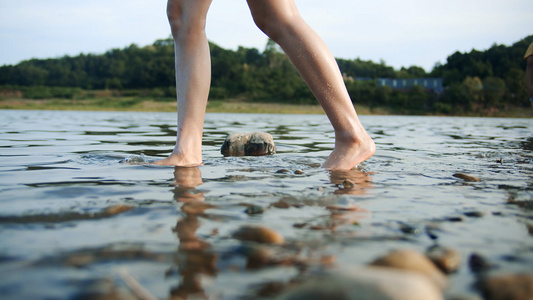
(73, 213)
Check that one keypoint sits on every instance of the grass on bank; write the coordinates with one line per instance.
(151, 104)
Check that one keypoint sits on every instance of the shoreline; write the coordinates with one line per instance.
(221, 106)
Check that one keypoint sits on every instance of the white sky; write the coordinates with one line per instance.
(402, 33)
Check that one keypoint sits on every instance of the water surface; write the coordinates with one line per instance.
(61, 172)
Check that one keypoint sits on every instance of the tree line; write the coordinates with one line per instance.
(475, 81)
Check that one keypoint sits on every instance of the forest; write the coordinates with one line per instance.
(477, 81)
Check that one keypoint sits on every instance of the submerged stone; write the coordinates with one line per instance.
(248, 144)
(508, 287)
(447, 259)
(413, 261)
(366, 283)
(467, 178)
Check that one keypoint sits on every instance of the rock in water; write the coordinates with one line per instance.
(413, 261)
(258, 234)
(366, 283)
(508, 287)
(248, 144)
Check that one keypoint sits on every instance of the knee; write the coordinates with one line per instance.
(274, 26)
(182, 24)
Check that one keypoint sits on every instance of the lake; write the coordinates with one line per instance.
(82, 214)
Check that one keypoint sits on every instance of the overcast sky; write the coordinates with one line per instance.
(402, 33)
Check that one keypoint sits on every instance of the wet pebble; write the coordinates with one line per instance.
(413, 261)
(254, 210)
(281, 204)
(530, 228)
(298, 172)
(283, 171)
(258, 234)
(478, 263)
(348, 184)
(474, 214)
(508, 287)
(467, 178)
(365, 283)
(116, 209)
(447, 259)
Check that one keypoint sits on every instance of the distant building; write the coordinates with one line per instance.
(428, 84)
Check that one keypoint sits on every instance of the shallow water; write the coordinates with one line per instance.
(60, 171)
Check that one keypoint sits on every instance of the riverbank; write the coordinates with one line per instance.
(220, 106)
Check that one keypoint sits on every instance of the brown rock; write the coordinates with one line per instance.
(248, 144)
(258, 234)
(413, 261)
(467, 178)
(508, 287)
(448, 260)
(366, 283)
(116, 209)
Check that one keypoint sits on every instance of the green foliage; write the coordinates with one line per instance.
(474, 81)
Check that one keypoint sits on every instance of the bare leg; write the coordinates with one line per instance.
(193, 76)
(280, 20)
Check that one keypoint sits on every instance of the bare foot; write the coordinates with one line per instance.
(349, 152)
(179, 160)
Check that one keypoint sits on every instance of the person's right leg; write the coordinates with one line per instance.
(193, 77)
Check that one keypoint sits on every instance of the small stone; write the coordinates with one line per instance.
(281, 204)
(348, 184)
(467, 178)
(283, 171)
(447, 259)
(478, 263)
(474, 214)
(248, 144)
(117, 209)
(298, 172)
(530, 228)
(254, 210)
(413, 261)
(508, 287)
(258, 234)
(299, 225)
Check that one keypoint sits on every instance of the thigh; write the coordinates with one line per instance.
(272, 9)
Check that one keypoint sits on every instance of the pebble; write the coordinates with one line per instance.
(413, 261)
(254, 210)
(530, 228)
(281, 204)
(474, 214)
(298, 172)
(248, 144)
(467, 178)
(258, 234)
(446, 259)
(282, 171)
(348, 184)
(508, 287)
(478, 263)
(116, 209)
(365, 283)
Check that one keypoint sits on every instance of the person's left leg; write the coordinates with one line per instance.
(281, 21)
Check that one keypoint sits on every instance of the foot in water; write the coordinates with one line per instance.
(349, 152)
(179, 160)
